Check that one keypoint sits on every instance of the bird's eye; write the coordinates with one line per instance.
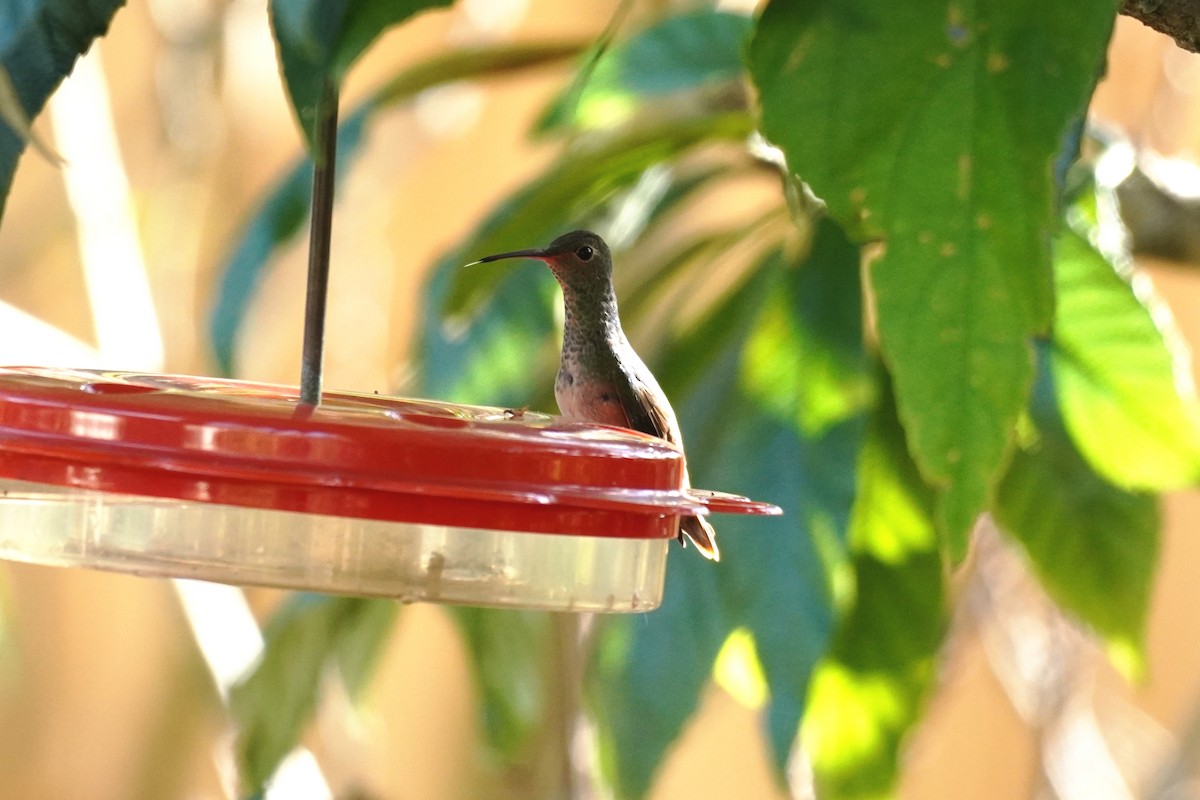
(584, 253)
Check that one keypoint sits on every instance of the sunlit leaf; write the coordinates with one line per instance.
(804, 365)
(935, 128)
(563, 108)
(868, 693)
(639, 713)
(737, 670)
(807, 359)
(39, 43)
(1093, 545)
(318, 40)
(774, 579)
(1123, 382)
(274, 703)
(680, 52)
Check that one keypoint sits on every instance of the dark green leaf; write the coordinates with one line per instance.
(936, 128)
(279, 218)
(1118, 374)
(274, 703)
(39, 43)
(1093, 545)
(807, 360)
(12, 114)
(868, 693)
(773, 579)
(805, 366)
(508, 656)
(647, 673)
(318, 40)
(681, 52)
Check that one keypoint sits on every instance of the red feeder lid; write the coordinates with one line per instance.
(355, 455)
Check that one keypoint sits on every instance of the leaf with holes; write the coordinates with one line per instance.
(935, 128)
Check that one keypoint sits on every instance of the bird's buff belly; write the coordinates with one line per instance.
(586, 401)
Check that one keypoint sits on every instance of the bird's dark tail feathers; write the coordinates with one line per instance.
(702, 535)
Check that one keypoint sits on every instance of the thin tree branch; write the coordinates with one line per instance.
(1179, 19)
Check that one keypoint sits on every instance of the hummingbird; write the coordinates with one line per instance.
(600, 377)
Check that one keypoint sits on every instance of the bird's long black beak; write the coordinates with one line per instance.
(536, 254)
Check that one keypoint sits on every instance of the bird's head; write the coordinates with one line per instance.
(580, 260)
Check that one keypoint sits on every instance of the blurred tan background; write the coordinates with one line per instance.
(102, 694)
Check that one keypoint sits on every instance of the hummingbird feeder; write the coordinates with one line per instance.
(242, 483)
(248, 483)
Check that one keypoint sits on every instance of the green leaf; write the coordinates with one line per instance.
(495, 357)
(502, 317)
(804, 366)
(869, 692)
(279, 218)
(39, 43)
(949, 160)
(508, 658)
(774, 579)
(681, 52)
(807, 360)
(563, 108)
(12, 114)
(1123, 381)
(274, 703)
(1093, 545)
(367, 626)
(777, 574)
(318, 40)
(286, 208)
(647, 674)
(579, 182)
